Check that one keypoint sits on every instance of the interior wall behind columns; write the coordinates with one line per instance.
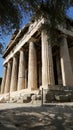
(71, 56)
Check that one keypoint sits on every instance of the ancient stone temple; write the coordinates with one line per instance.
(31, 63)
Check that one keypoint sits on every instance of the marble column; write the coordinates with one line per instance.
(3, 80)
(8, 78)
(21, 75)
(14, 77)
(66, 68)
(32, 67)
(47, 61)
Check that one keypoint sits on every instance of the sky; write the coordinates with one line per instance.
(7, 39)
(26, 20)
(70, 12)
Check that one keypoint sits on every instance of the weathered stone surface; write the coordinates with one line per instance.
(59, 95)
(14, 77)
(67, 74)
(3, 80)
(21, 75)
(47, 61)
(7, 128)
(32, 67)
(56, 117)
(2, 99)
(13, 100)
(8, 78)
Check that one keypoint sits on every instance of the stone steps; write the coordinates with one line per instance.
(27, 98)
(59, 94)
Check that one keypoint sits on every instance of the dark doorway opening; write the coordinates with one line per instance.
(55, 70)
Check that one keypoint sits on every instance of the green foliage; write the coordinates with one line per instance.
(54, 12)
(10, 18)
(11, 12)
(10, 15)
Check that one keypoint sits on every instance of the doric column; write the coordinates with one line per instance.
(8, 78)
(66, 68)
(47, 61)
(32, 67)
(14, 77)
(3, 80)
(21, 75)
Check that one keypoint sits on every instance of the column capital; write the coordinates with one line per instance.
(21, 50)
(44, 30)
(5, 65)
(62, 35)
(15, 55)
(32, 39)
(46, 34)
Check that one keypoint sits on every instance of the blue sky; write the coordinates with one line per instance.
(69, 13)
(7, 39)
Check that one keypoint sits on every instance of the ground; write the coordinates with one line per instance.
(36, 117)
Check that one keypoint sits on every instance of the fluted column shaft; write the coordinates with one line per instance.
(66, 68)
(8, 78)
(14, 77)
(3, 80)
(32, 67)
(47, 61)
(21, 75)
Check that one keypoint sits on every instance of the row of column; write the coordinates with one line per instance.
(47, 62)
(13, 81)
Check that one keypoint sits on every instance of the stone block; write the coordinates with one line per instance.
(2, 100)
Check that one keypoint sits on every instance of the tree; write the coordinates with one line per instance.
(11, 12)
(10, 15)
(54, 12)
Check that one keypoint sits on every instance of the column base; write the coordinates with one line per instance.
(44, 87)
(47, 87)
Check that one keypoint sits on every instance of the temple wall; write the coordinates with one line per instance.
(71, 56)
